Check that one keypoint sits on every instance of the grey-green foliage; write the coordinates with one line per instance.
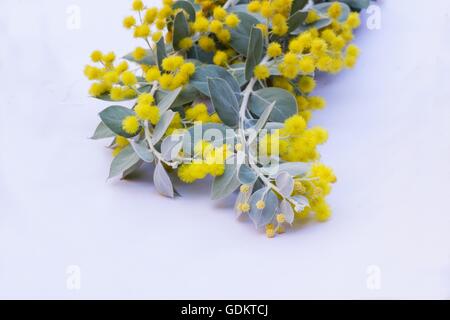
(160, 51)
(262, 217)
(254, 52)
(246, 175)
(224, 101)
(125, 160)
(113, 116)
(298, 5)
(180, 29)
(285, 103)
(227, 183)
(142, 150)
(187, 7)
(162, 125)
(296, 20)
(200, 79)
(148, 59)
(286, 209)
(167, 99)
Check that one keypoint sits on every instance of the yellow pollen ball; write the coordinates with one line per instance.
(260, 204)
(261, 72)
(130, 124)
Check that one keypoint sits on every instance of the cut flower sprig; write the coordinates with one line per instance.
(224, 89)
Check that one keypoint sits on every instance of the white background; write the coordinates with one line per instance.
(389, 124)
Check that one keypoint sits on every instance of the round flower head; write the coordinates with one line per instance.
(130, 124)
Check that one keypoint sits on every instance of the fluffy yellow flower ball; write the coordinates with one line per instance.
(261, 72)
(130, 124)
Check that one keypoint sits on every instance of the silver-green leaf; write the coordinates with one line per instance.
(160, 51)
(296, 20)
(285, 183)
(241, 34)
(180, 29)
(148, 59)
(102, 132)
(162, 125)
(286, 209)
(187, 7)
(142, 150)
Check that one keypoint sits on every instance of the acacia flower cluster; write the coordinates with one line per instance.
(224, 89)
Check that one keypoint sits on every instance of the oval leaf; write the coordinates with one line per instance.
(162, 125)
(254, 52)
(187, 7)
(102, 132)
(227, 183)
(262, 217)
(171, 147)
(200, 78)
(286, 209)
(246, 175)
(162, 181)
(240, 35)
(199, 54)
(224, 101)
(285, 183)
(160, 52)
(301, 203)
(180, 29)
(125, 160)
(168, 100)
(142, 150)
(285, 103)
(113, 116)
(296, 20)
(298, 5)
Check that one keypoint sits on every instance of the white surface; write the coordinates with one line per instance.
(389, 123)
